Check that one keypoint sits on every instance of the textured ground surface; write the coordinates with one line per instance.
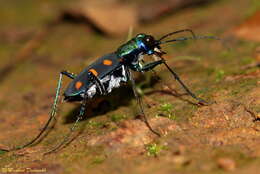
(223, 137)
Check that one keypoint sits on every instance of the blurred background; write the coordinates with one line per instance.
(40, 38)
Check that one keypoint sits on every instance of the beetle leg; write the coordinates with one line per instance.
(151, 65)
(139, 101)
(68, 74)
(52, 116)
(200, 100)
(147, 67)
(79, 117)
(81, 113)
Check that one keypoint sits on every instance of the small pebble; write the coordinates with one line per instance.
(3, 147)
(180, 160)
(227, 164)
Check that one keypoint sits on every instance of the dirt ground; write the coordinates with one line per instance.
(222, 137)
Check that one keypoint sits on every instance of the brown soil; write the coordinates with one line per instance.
(222, 137)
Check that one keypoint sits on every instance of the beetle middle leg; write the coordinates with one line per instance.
(139, 101)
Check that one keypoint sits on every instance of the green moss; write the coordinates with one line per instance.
(2, 152)
(98, 160)
(247, 60)
(117, 117)
(154, 149)
(219, 75)
(166, 109)
(96, 124)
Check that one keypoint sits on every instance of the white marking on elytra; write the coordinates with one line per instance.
(112, 80)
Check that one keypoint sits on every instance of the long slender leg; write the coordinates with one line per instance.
(81, 114)
(201, 101)
(139, 101)
(52, 116)
(152, 65)
(79, 117)
(68, 74)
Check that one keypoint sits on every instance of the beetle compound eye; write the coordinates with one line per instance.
(147, 38)
(149, 42)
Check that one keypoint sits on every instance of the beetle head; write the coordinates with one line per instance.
(147, 43)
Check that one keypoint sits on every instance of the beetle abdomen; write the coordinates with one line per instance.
(101, 68)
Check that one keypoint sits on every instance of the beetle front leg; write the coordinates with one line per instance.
(147, 67)
(200, 100)
(151, 65)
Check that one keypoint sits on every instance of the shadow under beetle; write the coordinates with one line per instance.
(107, 73)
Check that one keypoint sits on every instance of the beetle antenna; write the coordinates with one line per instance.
(179, 31)
(190, 38)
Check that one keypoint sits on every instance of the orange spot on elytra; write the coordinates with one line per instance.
(78, 84)
(107, 62)
(93, 71)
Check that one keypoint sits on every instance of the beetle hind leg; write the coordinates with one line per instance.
(68, 74)
(72, 129)
(51, 117)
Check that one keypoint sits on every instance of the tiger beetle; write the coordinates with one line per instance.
(107, 73)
